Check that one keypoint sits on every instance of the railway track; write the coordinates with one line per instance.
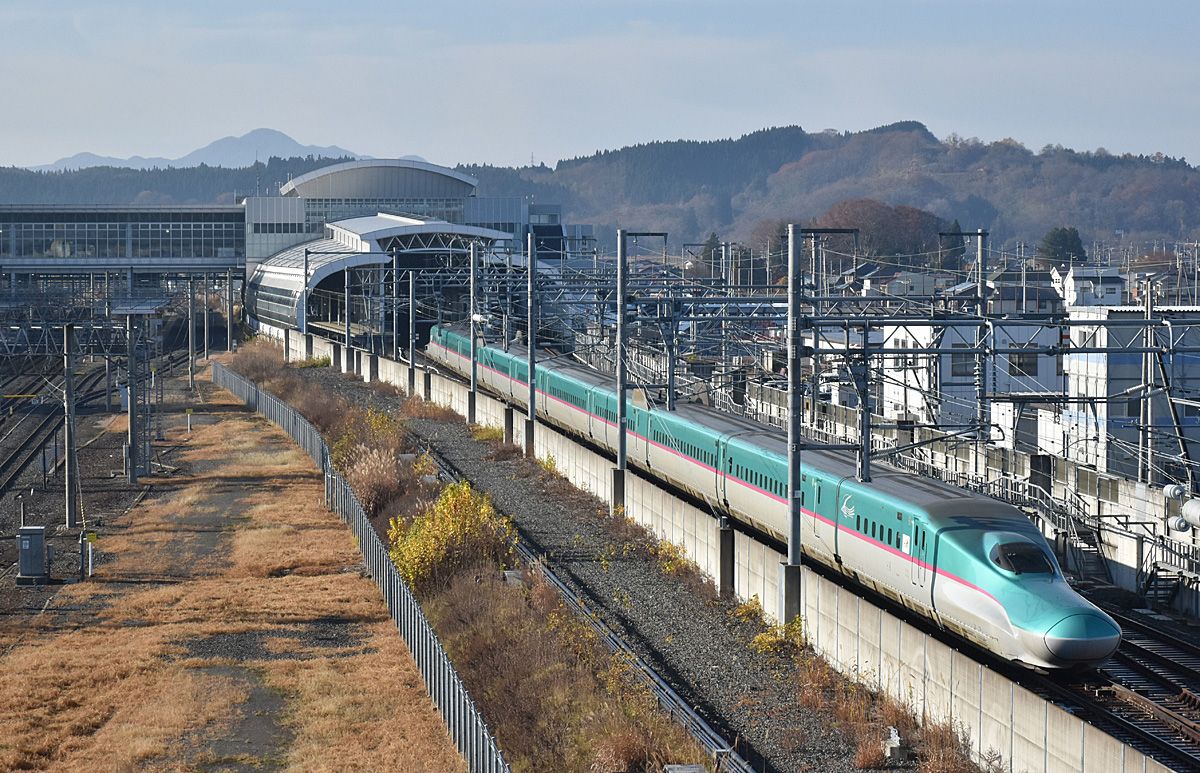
(29, 444)
(1148, 696)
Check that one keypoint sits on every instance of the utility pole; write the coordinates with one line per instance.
(69, 467)
(531, 334)
(792, 572)
(618, 482)
(474, 281)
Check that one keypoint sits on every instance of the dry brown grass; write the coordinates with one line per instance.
(419, 408)
(551, 692)
(942, 749)
(244, 546)
(79, 701)
(868, 751)
(361, 711)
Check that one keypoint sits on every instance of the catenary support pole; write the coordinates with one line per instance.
(983, 417)
(205, 292)
(672, 353)
(229, 310)
(862, 383)
(191, 323)
(412, 332)
(531, 337)
(620, 350)
(347, 362)
(396, 305)
(472, 396)
(69, 468)
(304, 297)
(131, 387)
(790, 600)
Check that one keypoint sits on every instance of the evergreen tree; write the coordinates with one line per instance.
(953, 248)
(1062, 246)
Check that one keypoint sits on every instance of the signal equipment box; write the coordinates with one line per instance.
(31, 556)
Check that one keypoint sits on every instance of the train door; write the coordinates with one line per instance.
(724, 465)
(920, 555)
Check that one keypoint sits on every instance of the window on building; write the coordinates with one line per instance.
(1023, 364)
(961, 363)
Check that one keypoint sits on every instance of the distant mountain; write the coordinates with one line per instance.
(228, 152)
(741, 189)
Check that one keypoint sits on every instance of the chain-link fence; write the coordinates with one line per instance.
(462, 717)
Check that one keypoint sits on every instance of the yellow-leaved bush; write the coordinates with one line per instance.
(461, 528)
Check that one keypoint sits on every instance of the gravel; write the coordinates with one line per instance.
(692, 640)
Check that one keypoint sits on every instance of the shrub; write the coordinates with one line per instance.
(377, 478)
(549, 465)
(749, 611)
(324, 361)
(461, 528)
(258, 361)
(487, 434)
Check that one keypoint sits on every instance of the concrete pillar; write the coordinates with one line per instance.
(618, 489)
(371, 371)
(508, 423)
(287, 345)
(427, 386)
(347, 360)
(308, 346)
(530, 449)
(727, 564)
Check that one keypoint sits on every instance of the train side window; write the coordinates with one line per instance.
(889, 536)
(857, 522)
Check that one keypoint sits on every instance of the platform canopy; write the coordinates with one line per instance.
(274, 293)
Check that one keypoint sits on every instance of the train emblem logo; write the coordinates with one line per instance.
(847, 507)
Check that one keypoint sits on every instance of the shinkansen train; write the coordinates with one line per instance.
(975, 566)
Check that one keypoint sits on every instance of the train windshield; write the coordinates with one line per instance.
(1021, 558)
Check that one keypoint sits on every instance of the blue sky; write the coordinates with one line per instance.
(502, 81)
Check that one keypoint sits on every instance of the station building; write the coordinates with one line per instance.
(140, 246)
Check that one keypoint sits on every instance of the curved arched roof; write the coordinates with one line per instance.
(348, 244)
(381, 178)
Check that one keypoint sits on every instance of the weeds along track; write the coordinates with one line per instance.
(712, 741)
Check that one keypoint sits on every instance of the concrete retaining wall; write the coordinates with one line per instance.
(1006, 723)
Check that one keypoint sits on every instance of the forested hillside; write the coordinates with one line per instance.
(743, 188)
(119, 185)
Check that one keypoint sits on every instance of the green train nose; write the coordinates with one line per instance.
(1087, 636)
